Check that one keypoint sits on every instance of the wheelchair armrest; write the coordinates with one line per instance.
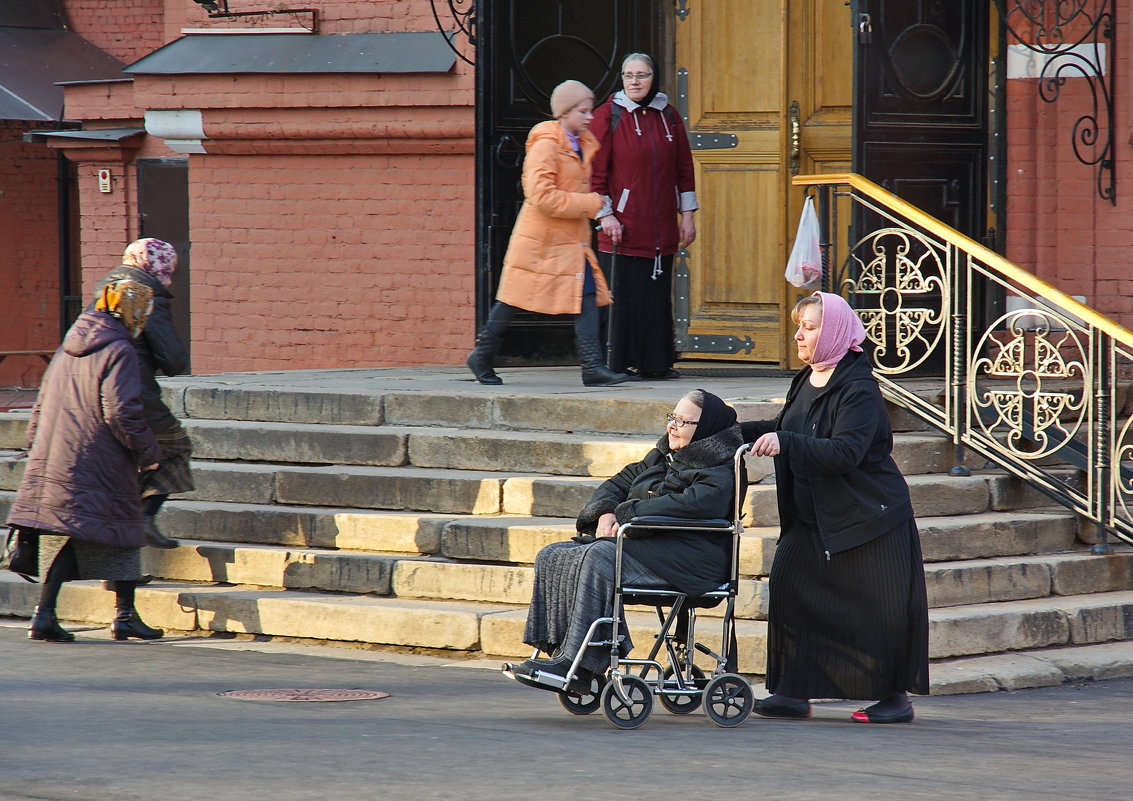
(662, 521)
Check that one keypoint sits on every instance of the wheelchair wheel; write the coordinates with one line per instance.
(728, 700)
(682, 704)
(587, 702)
(640, 702)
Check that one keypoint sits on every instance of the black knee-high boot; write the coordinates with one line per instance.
(591, 355)
(44, 625)
(126, 623)
(488, 343)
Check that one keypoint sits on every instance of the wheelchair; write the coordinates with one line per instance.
(626, 692)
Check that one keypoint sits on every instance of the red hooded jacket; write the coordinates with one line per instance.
(644, 171)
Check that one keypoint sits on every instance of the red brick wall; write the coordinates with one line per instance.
(1057, 225)
(126, 29)
(315, 261)
(29, 256)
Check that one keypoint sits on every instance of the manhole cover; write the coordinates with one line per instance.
(304, 695)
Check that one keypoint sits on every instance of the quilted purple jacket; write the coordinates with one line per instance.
(87, 439)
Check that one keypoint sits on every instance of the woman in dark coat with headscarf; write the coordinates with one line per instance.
(151, 262)
(689, 473)
(88, 440)
(848, 613)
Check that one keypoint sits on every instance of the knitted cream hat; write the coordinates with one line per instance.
(567, 95)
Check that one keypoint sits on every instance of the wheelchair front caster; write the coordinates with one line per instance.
(634, 709)
(728, 700)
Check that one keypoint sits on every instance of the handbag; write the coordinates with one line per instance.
(20, 553)
(804, 267)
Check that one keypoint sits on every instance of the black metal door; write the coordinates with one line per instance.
(163, 212)
(921, 110)
(525, 49)
(921, 105)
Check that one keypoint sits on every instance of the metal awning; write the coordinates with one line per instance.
(96, 135)
(34, 60)
(218, 53)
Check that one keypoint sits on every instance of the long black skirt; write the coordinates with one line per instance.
(853, 627)
(642, 315)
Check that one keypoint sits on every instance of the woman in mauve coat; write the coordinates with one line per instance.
(549, 267)
(644, 172)
(88, 440)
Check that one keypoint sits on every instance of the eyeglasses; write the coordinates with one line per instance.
(679, 422)
(636, 76)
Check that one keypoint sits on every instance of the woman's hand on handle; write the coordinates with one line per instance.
(607, 525)
(766, 445)
(612, 228)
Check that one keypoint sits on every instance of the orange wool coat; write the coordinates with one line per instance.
(550, 244)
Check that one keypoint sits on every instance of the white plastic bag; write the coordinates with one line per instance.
(805, 265)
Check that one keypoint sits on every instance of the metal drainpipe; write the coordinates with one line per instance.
(62, 187)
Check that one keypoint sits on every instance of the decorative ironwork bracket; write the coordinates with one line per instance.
(1074, 39)
(682, 10)
(463, 13)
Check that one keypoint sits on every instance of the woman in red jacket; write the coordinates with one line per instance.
(644, 173)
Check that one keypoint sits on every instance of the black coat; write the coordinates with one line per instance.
(859, 493)
(698, 481)
(159, 347)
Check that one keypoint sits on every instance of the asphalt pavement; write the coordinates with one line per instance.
(97, 720)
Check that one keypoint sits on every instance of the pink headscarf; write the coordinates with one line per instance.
(842, 331)
(156, 257)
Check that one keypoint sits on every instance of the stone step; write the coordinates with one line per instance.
(406, 576)
(553, 453)
(610, 414)
(979, 581)
(997, 534)
(1080, 631)
(407, 623)
(1034, 623)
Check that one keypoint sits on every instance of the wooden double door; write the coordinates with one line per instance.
(768, 89)
(768, 94)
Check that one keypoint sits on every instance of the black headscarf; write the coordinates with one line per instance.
(715, 416)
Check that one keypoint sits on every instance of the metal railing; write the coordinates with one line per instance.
(1010, 367)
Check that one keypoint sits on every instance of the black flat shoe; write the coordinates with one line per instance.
(668, 375)
(768, 709)
(867, 716)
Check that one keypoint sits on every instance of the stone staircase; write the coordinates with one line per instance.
(409, 518)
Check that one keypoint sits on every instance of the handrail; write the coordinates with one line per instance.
(969, 246)
(1012, 368)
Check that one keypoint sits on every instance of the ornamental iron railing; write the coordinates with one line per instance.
(1009, 367)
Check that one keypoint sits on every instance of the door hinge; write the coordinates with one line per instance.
(700, 141)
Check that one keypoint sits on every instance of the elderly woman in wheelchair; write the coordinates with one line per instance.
(573, 617)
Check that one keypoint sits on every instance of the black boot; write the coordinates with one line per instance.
(595, 373)
(591, 354)
(45, 626)
(127, 624)
(480, 360)
(155, 537)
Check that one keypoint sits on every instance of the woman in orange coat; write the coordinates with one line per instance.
(550, 267)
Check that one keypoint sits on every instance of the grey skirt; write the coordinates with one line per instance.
(104, 562)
